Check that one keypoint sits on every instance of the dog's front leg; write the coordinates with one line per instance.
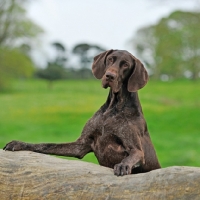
(74, 149)
(135, 159)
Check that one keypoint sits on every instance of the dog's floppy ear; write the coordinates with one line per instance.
(138, 78)
(99, 64)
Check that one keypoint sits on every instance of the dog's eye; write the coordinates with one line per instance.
(110, 60)
(125, 65)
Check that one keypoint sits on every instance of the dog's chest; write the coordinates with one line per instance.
(112, 128)
(109, 123)
(112, 137)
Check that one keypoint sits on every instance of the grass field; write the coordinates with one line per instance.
(34, 113)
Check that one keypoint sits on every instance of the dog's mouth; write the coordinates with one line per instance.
(113, 84)
(106, 82)
(105, 85)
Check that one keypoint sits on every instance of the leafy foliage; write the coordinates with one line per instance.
(52, 72)
(15, 26)
(13, 63)
(55, 69)
(86, 52)
(16, 32)
(172, 46)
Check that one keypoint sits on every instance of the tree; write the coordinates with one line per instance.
(60, 54)
(13, 64)
(55, 68)
(17, 32)
(15, 26)
(172, 45)
(86, 52)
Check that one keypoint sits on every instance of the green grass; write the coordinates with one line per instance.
(34, 113)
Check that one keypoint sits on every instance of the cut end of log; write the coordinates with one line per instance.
(29, 175)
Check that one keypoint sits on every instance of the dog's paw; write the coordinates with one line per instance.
(122, 169)
(15, 146)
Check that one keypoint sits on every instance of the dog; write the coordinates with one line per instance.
(117, 133)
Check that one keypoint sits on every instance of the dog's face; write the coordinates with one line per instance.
(118, 67)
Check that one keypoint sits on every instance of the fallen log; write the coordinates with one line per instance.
(28, 175)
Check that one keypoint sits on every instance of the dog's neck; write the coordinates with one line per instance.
(121, 100)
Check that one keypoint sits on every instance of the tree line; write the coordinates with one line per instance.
(170, 48)
(18, 34)
(59, 68)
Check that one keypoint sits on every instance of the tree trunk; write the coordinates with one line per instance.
(28, 175)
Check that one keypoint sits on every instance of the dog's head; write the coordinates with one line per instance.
(118, 67)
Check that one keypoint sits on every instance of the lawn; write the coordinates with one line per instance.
(33, 113)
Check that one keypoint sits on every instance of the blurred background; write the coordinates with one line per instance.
(47, 90)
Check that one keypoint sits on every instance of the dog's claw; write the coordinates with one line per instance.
(15, 146)
(122, 169)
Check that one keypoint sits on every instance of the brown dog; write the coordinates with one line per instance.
(117, 133)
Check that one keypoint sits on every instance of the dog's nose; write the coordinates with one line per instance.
(110, 76)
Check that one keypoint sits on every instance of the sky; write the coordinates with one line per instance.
(108, 23)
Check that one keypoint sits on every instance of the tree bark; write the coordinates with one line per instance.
(29, 175)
